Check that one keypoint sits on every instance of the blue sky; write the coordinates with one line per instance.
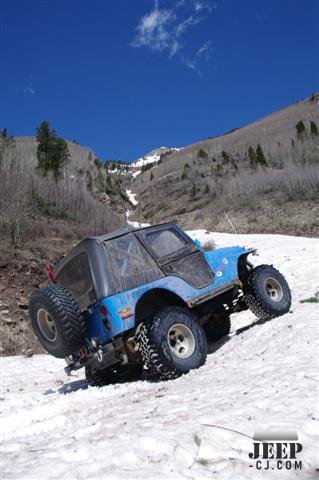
(127, 76)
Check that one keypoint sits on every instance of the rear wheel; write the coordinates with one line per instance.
(172, 343)
(115, 374)
(57, 320)
(267, 293)
(217, 326)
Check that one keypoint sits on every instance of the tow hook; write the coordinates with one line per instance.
(124, 358)
(99, 354)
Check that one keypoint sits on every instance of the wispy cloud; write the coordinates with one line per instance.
(167, 30)
(205, 50)
(28, 89)
(201, 5)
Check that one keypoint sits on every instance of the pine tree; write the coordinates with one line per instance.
(100, 182)
(260, 157)
(89, 180)
(151, 176)
(252, 156)
(193, 190)
(313, 129)
(201, 153)
(226, 157)
(301, 130)
(52, 151)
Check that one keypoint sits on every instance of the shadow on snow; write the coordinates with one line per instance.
(211, 348)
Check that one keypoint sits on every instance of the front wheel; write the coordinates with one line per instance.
(172, 343)
(267, 293)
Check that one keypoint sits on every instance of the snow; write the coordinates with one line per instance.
(136, 173)
(133, 224)
(147, 159)
(138, 224)
(152, 157)
(262, 377)
(120, 170)
(131, 197)
(128, 213)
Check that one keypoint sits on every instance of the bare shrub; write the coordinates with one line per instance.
(292, 183)
(70, 199)
(24, 193)
(14, 203)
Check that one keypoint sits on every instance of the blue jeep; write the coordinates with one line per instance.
(146, 300)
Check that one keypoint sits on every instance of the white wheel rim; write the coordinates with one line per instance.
(181, 340)
(274, 289)
(46, 325)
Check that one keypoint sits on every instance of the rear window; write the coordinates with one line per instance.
(132, 266)
(76, 277)
(164, 242)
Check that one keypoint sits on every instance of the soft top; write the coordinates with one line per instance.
(124, 230)
(92, 243)
(97, 261)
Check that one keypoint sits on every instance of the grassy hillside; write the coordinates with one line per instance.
(264, 176)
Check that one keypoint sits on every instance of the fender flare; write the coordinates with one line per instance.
(243, 265)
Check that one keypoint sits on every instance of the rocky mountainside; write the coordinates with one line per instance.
(262, 177)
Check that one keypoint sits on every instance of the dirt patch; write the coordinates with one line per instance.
(21, 271)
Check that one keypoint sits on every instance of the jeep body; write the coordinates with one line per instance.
(122, 278)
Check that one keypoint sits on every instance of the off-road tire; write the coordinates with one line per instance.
(114, 374)
(258, 300)
(65, 316)
(155, 349)
(217, 326)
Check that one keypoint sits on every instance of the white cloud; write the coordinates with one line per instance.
(186, 24)
(205, 50)
(168, 30)
(154, 31)
(29, 89)
(201, 5)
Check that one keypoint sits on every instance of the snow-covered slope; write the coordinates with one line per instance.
(152, 157)
(266, 376)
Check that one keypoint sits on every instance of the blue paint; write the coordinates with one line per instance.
(223, 263)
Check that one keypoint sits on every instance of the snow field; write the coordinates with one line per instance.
(53, 426)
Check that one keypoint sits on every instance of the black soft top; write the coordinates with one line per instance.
(124, 230)
(89, 259)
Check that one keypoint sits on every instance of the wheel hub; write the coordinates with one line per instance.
(181, 340)
(46, 325)
(274, 289)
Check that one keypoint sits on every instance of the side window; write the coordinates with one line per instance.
(76, 276)
(164, 242)
(132, 266)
